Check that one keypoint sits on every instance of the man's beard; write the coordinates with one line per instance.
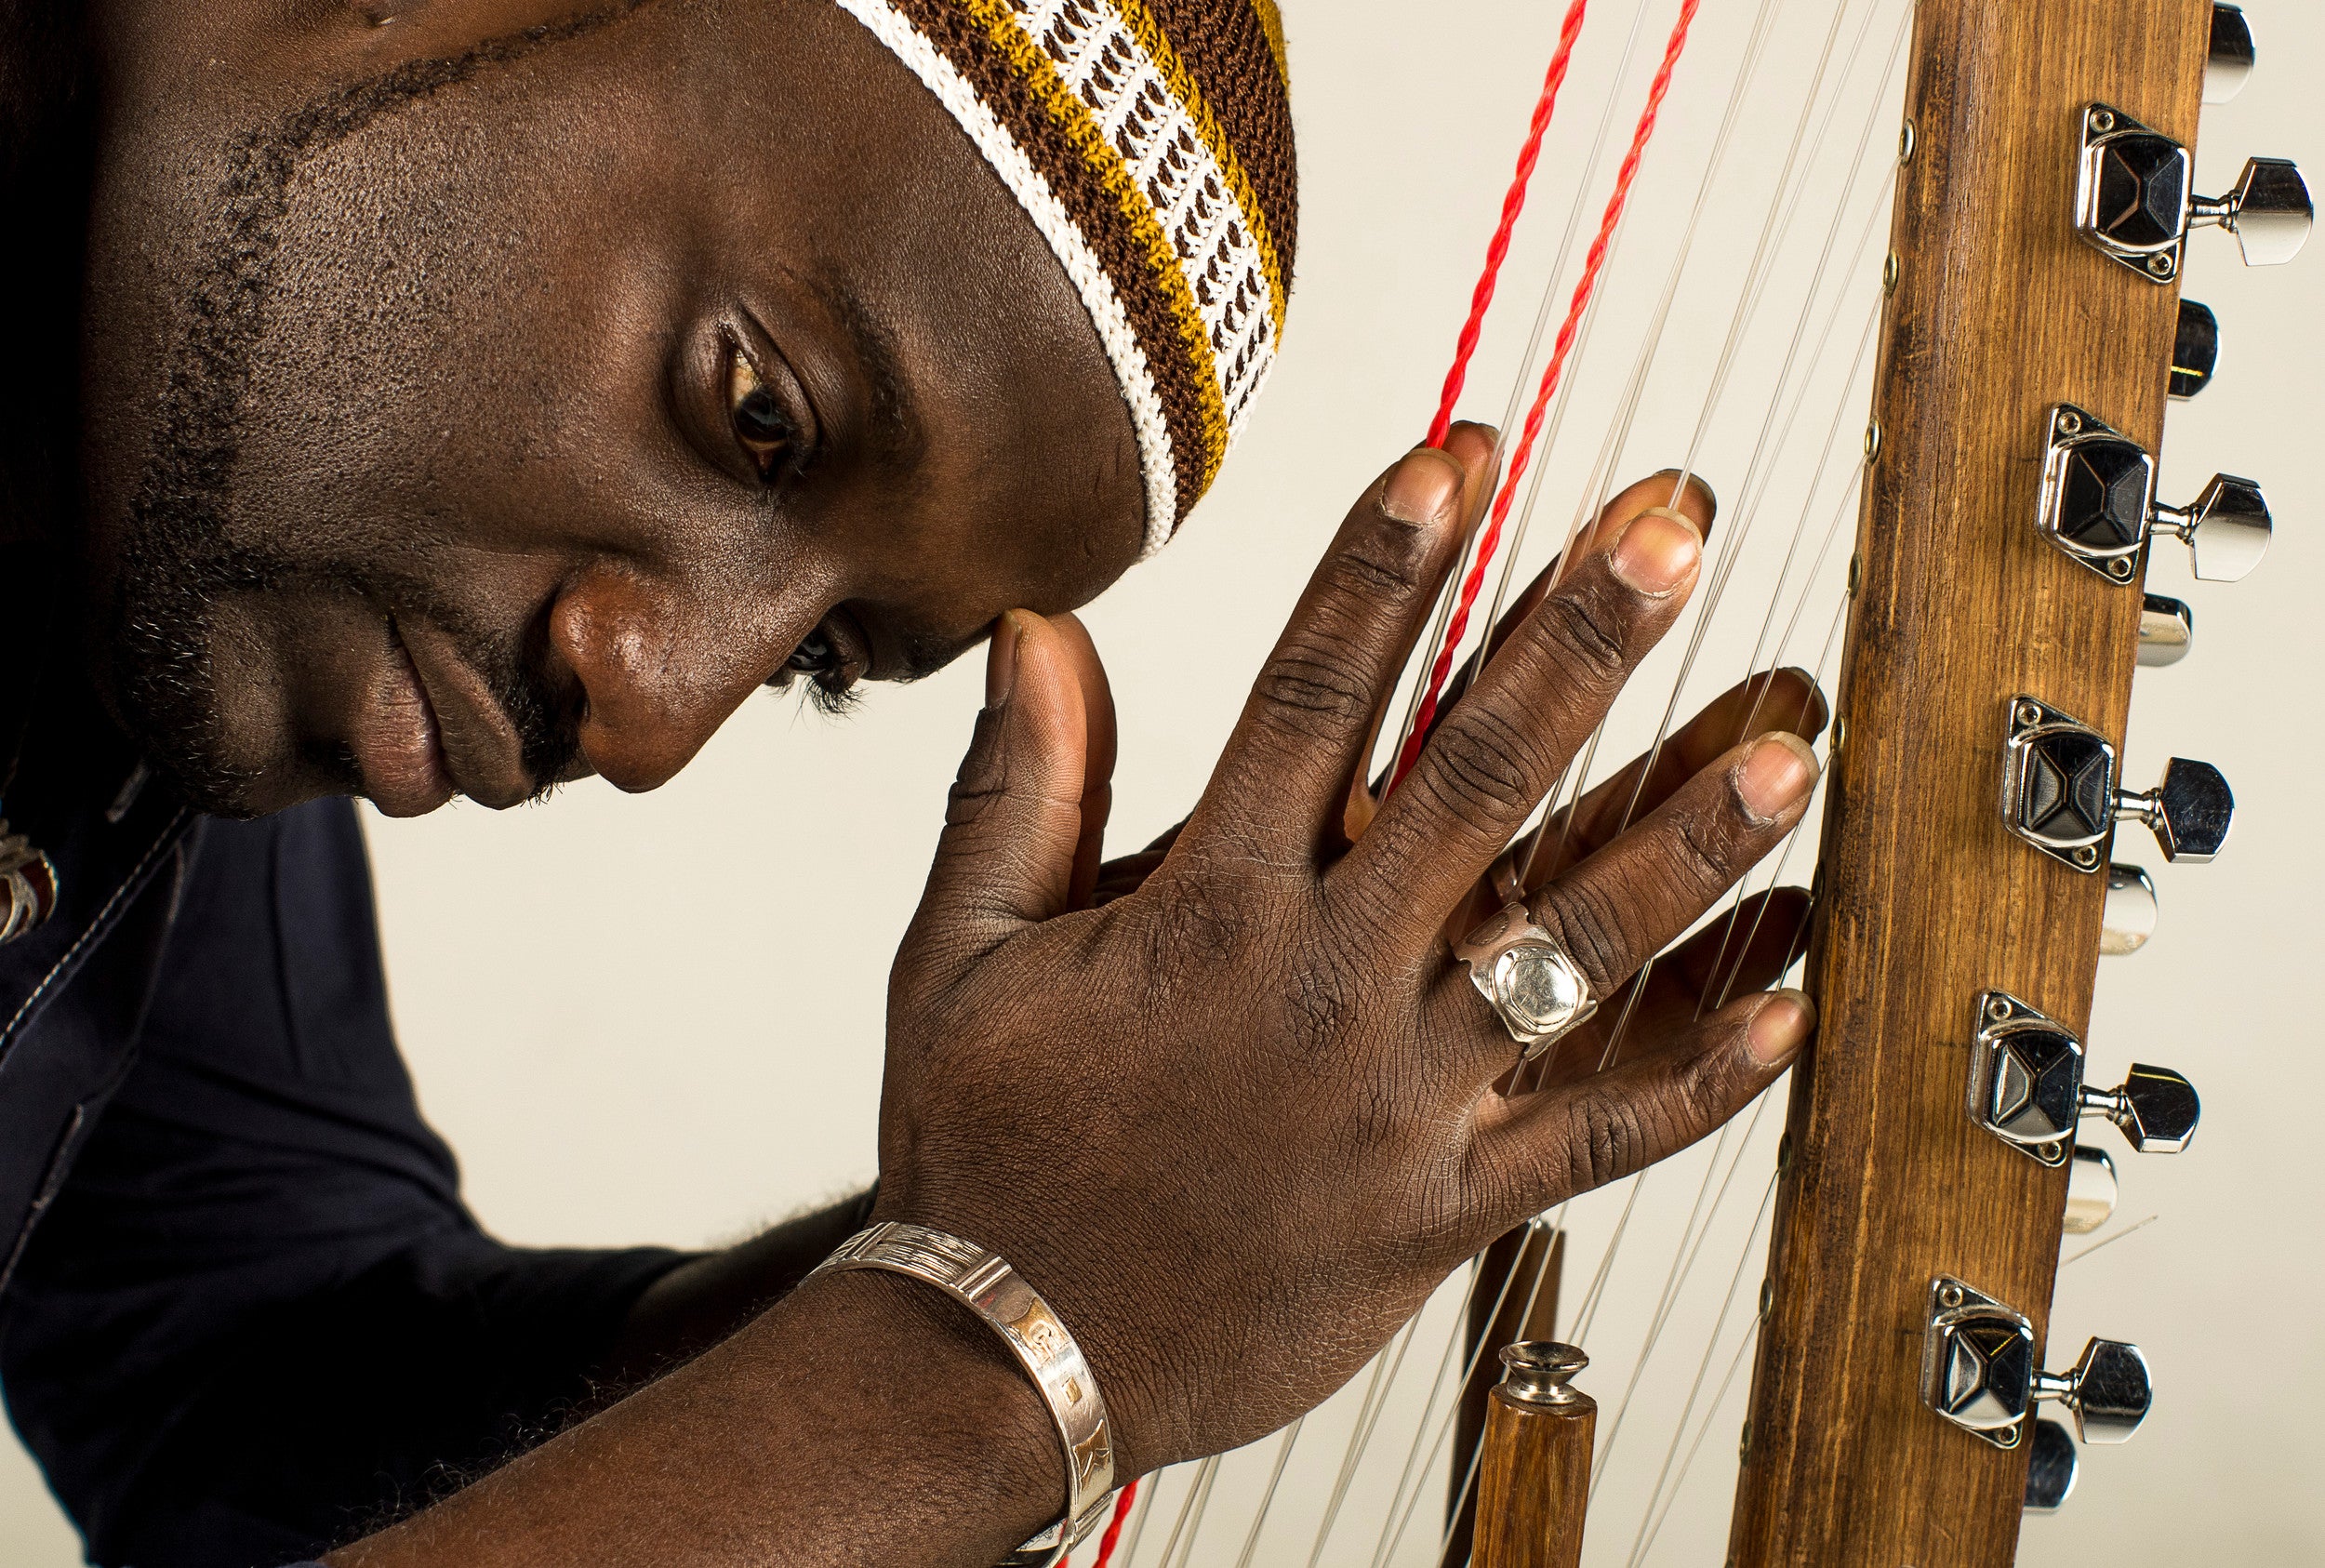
(178, 554)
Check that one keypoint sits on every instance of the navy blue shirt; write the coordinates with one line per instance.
(244, 1314)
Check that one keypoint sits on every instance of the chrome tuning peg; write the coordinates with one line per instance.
(2269, 212)
(2132, 911)
(2167, 630)
(2098, 505)
(2059, 795)
(2026, 1088)
(2229, 63)
(2052, 1466)
(2190, 812)
(2132, 199)
(2091, 1191)
(2226, 529)
(1978, 1370)
(2195, 350)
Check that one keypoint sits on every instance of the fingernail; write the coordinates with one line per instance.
(1670, 476)
(1657, 552)
(1776, 772)
(1780, 1027)
(1421, 488)
(1001, 661)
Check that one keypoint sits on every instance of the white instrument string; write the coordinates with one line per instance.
(1778, 227)
(1732, 547)
(1385, 1367)
(1187, 1505)
(1712, 1413)
(2110, 1240)
(1600, 490)
(1190, 1516)
(1675, 1281)
(1387, 1543)
(1686, 1256)
(1138, 1517)
(1267, 1496)
(1712, 1346)
(1545, 312)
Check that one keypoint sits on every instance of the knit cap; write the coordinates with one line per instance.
(1151, 143)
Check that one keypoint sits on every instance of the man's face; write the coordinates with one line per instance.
(464, 427)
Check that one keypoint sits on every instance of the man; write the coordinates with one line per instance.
(476, 396)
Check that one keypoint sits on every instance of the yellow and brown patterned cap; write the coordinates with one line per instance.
(1151, 143)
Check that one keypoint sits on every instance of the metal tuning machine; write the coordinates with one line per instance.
(2195, 350)
(1978, 1370)
(2167, 631)
(2132, 199)
(2228, 62)
(2026, 1088)
(2131, 913)
(2060, 793)
(2091, 1191)
(2052, 1466)
(2099, 505)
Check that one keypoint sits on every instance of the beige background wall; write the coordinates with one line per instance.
(700, 1053)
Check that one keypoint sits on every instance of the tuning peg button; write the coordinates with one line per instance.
(2091, 1191)
(2157, 1108)
(2227, 529)
(2098, 505)
(2191, 811)
(2132, 911)
(2229, 63)
(2195, 350)
(2052, 1466)
(2269, 212)
(2167, 630)
(2109, 1391)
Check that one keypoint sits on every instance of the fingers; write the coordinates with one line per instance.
(1283, 779)
(1632, 898)
(1534, 1152)
(1504, 746)
(1782, 699)
(1744, 950)
(1014, 824)
(1098, 752)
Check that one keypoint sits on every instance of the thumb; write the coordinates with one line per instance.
(1013, 819)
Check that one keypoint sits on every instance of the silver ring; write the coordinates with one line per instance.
(1530, 981)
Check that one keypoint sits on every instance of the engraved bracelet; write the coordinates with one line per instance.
(985, 1283)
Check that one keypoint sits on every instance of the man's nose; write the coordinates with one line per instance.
(660, 670)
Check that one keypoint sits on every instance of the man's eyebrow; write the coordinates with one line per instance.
(896, 436)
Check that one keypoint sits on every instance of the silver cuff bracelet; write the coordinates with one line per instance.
(985, 1283)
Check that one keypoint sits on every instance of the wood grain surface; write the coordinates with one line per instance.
(1514, 1298)
(1998, 312)
(1534, 1482)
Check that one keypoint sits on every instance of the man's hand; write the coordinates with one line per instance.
(1239, 1124)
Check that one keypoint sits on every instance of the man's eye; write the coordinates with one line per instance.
(814, 655)
(766, 433)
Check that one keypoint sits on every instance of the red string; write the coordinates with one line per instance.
(1512, 204)
(1426, 713)
(1114, 1525)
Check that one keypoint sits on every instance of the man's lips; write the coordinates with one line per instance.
(395, 740)
(477, 745)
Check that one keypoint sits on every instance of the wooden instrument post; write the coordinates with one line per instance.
(1514, 1299)
(1533, 1475)
(1999, 312)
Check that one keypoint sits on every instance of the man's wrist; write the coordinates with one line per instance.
(992, 1419)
